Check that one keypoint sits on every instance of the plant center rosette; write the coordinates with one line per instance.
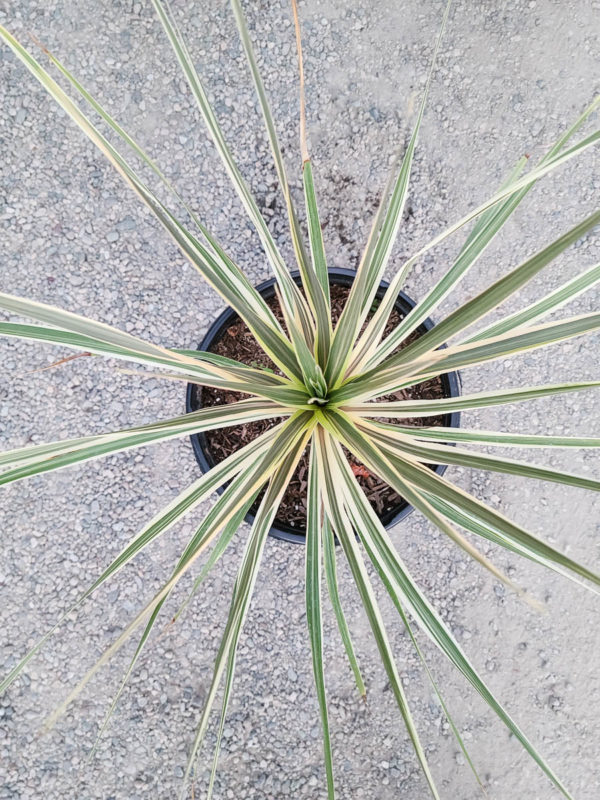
(230, 337)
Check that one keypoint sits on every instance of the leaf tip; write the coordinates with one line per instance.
(39, 44)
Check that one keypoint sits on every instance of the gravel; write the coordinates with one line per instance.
(511, 76)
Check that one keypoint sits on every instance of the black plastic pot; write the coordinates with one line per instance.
(343, 277)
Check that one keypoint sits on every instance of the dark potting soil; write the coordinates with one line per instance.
(238, 343)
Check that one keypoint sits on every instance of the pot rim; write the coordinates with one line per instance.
(345, 277)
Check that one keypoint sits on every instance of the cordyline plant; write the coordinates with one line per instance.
(324, 392)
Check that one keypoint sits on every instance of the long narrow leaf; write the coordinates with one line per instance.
(231, 528)
(332, 586)
(369, 350)
(255, 477)
(400, 471)
(508, 343)
(412, 496)
(446, 405)
(551, 302)
(330, 488)
(199, 367)
(492, 296)
(486, 530)
(414, 600)
(29, 461)
(141, 154)
(218, 550)
(364, 520)
(372, 266)
(315, 279)
(313, 571)
(221, 273)
(481, 223)
(315, 233)
(299, 249)
(379, 381)
(500, 438)
(429, 453)
(293, 300)
(158, 525)
(244, 586)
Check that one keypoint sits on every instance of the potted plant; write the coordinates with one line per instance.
(228, 335)
(336, 383)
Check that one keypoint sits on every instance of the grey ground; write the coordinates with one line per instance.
(511, 76)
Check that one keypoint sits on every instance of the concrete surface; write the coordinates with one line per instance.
(511, 76)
